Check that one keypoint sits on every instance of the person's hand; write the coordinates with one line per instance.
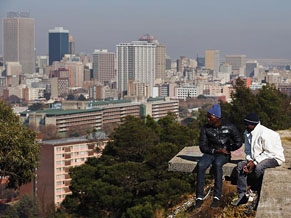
(222, 151)
(248, 168)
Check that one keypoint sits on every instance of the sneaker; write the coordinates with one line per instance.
(215, 202)
(252, 195)
(241, 199)
(199, 203)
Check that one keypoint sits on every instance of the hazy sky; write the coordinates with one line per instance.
(256, 28)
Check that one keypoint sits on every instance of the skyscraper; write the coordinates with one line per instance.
(58, 44)
(71, 45)
(160, 61)
(136, 61)
(212, 61)
(103, 66)
(18, 40)
(236, 61)
(250, 68)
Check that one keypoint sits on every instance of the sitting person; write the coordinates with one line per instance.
(263, 150)
(217, 139)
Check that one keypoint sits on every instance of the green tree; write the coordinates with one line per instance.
(243, 102)
(82, 98)
(131, 175)
(26, 207)
(70, 97)
(130, 140)
(19, 151)
(173, 132)
(36, 106)
(274, 107)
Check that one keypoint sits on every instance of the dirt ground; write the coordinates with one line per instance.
(225, 210)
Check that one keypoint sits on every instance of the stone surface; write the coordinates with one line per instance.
(187, 158)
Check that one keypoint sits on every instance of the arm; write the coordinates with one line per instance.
(236, 139)
(203, 142)
(271, 148)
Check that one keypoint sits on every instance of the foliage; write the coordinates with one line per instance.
(26, 207)
(131, 178)
(82, 98)
(49, 132)
(19, 151)
(36, 107)
(46, 95)
(272, 106)
(13, 99)
(70, 97)
(130, 141)
(174, 133)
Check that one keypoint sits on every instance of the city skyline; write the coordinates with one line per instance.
(258, 29)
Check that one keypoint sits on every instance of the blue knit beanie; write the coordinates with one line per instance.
(215, 110)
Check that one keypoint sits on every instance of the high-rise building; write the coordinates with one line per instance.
(160, 67)
(212, 60)
(103, 66)
(58, 44)
(236, 61)
(136, 61)
(18, 40)
(250, 68)
(72, 49)
(200, 61)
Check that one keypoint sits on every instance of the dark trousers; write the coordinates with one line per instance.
(257, 175)
(217, 161)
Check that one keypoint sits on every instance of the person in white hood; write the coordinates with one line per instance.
(263, 148)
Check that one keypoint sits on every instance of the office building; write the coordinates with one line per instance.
(13, 72)
(58, 44)
(168, 63)
(236, 61)
(103, 66)
(186, 92)
(18, 40)
(200, 61)
(250, 68)
(160, 67)
(212, 60)
(136, 61)
(72, 49)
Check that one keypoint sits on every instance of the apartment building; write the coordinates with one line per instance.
(52, 181)
(135, 60)
(159, 107)
(186, 92)
(96, 114)
(103, 66)
(64, 119)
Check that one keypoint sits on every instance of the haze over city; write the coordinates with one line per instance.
(258, 29)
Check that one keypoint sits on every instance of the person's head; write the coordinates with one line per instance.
(251, 121)
(214, 115)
